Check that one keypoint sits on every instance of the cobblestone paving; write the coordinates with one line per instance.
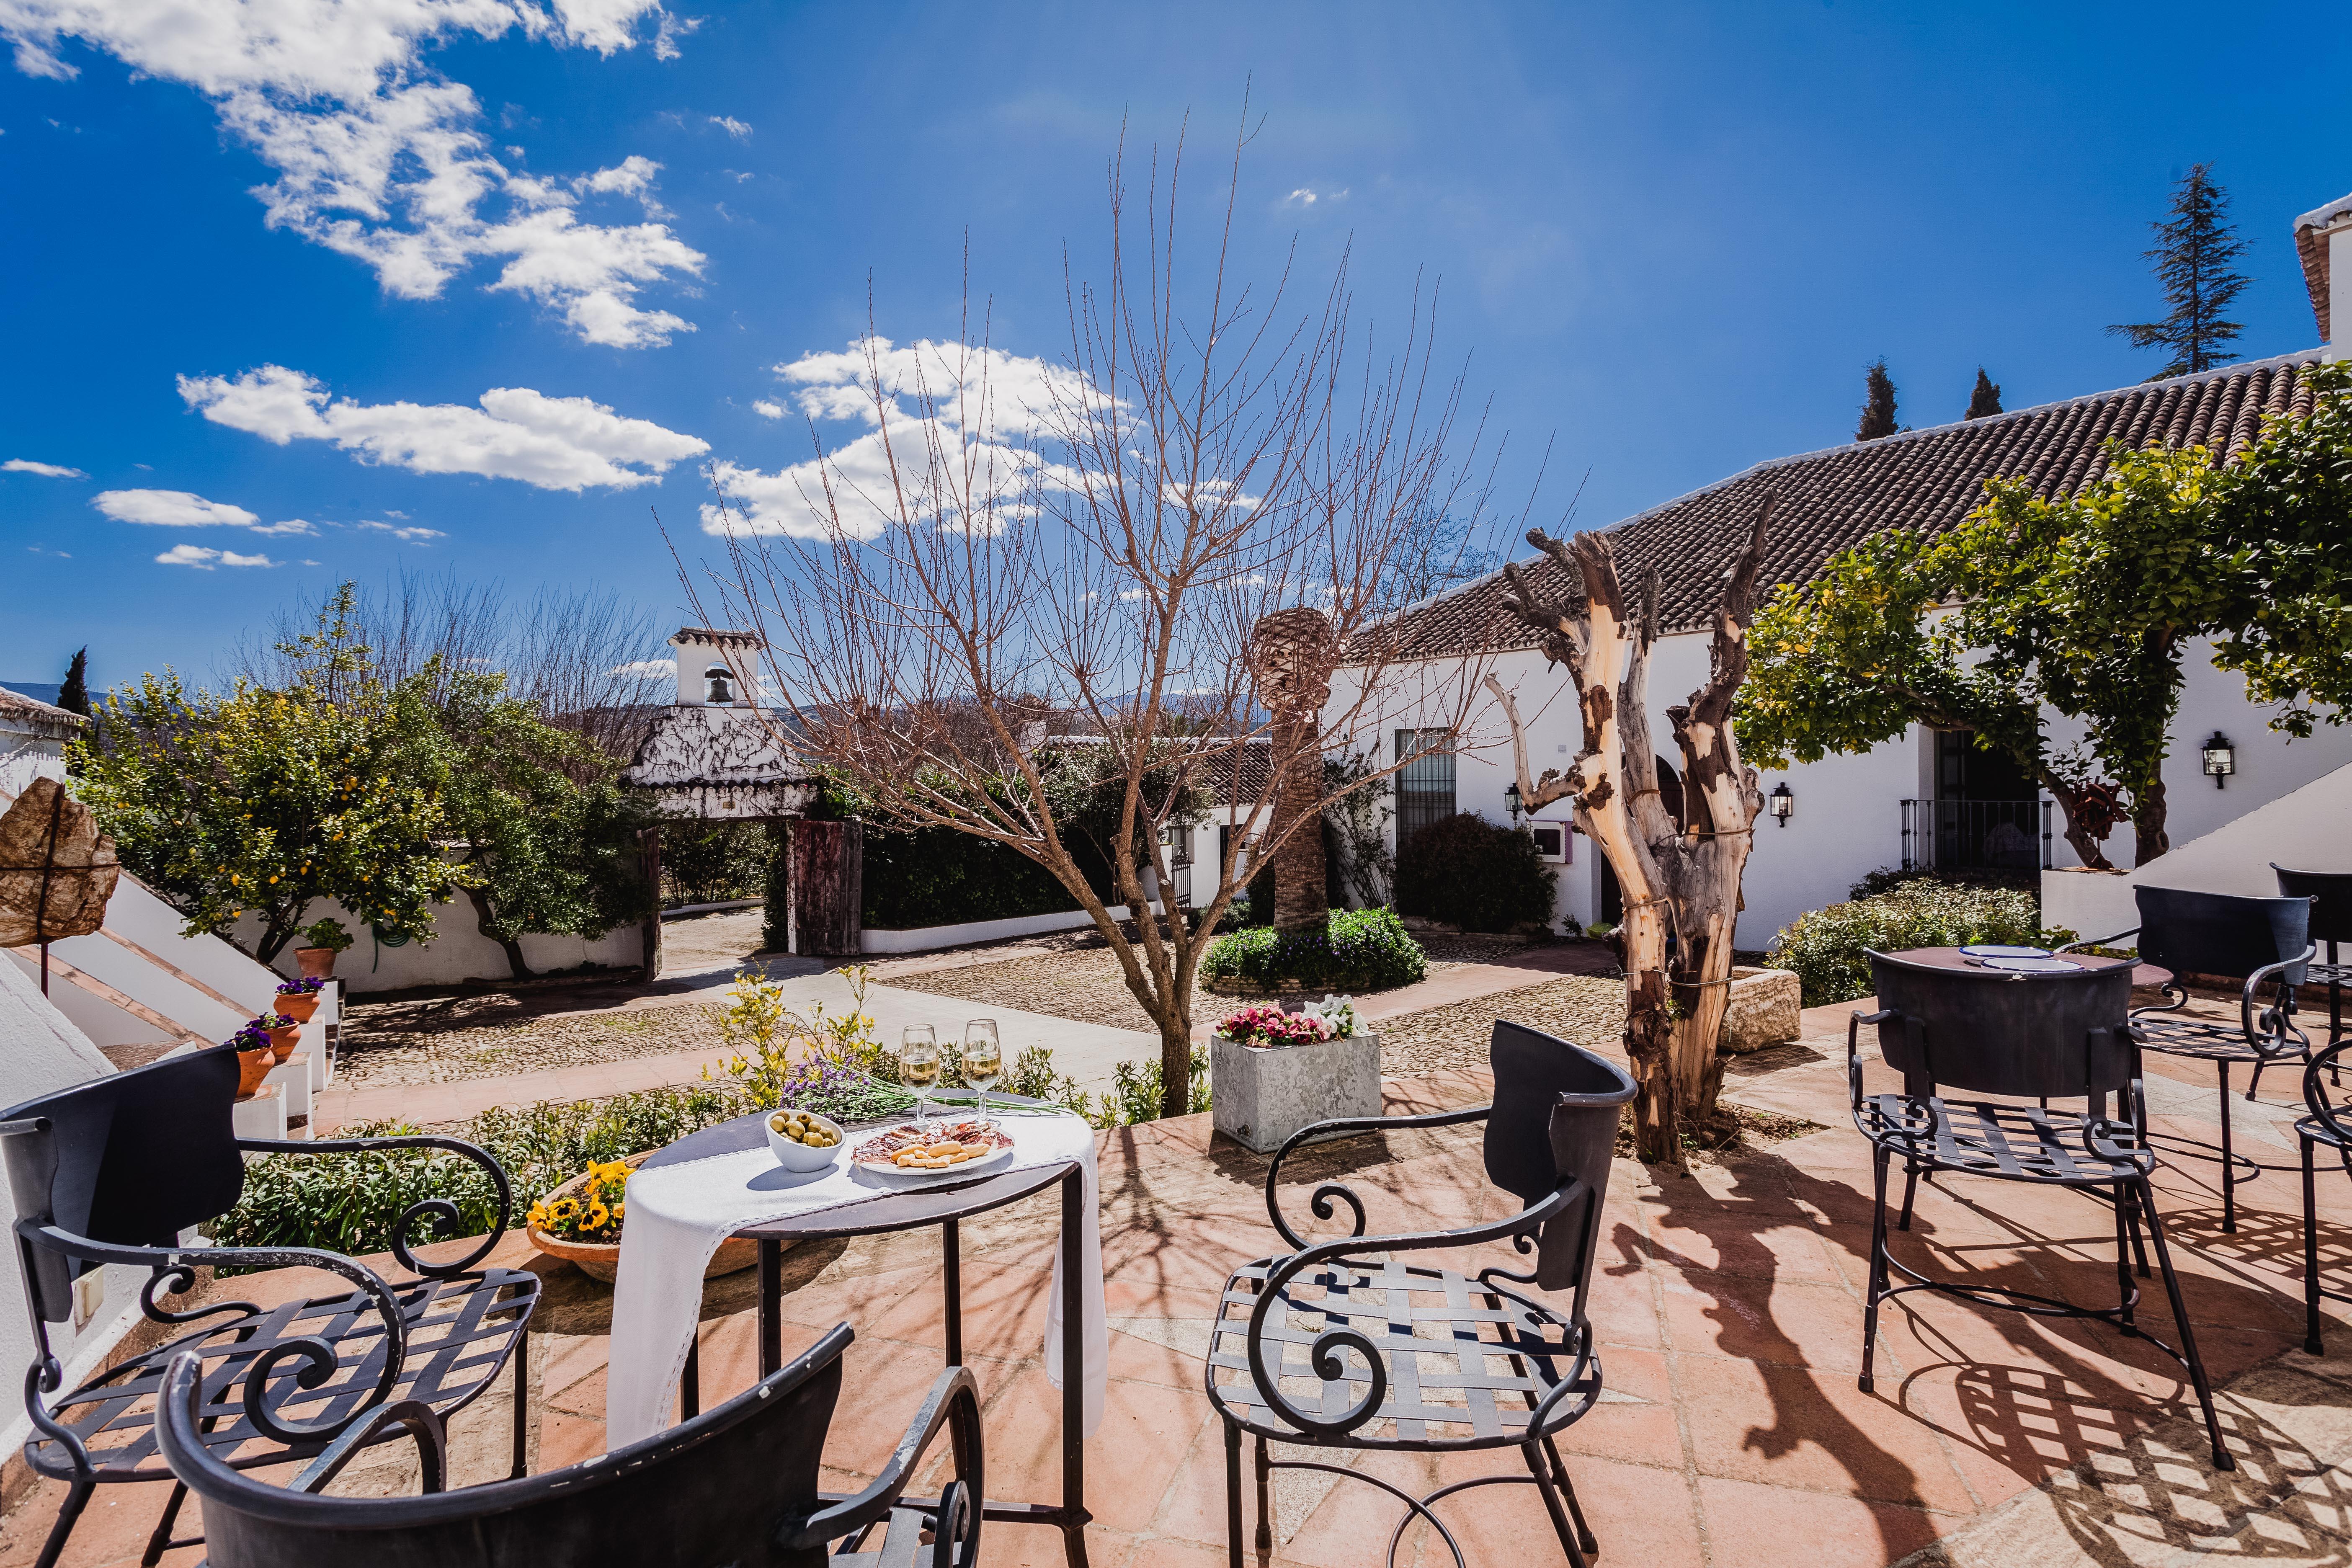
(452, 1040)
(1583, 1008)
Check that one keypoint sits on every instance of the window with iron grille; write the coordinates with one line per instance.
(1425, 784)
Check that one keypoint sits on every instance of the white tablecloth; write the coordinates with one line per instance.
(678, 1215)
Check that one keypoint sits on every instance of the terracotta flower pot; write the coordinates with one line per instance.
(252, 1067)
(603, 1260)
(317, 962)
(298, 1006)
(283, 1041)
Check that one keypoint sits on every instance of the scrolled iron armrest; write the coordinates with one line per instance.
(1854, 1022)
(437, 1208)
(1321, 1204)
(954, 1400)
(424, 1424)
(2284, 1008)
(318, 1355)
(2094, 942)
(1323, 1355)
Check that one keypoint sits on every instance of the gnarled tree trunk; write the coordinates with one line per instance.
(1293, 652)
(1680, 874)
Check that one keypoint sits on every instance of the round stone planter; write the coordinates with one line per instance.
(603, 1260)
(1259, 1096)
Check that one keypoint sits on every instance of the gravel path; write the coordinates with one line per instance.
(452, 1040)
(1583, 1008)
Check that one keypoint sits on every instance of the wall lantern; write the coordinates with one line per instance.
(1782, 802)
(2221, 759)
(1512, 802)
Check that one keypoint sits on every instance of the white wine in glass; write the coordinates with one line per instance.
(984, 1060)
(918, 1063)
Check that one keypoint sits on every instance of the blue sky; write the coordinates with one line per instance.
(1668, 237)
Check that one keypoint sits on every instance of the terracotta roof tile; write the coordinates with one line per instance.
(1924, 480)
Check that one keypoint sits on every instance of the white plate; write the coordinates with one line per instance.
(886, 1168)
(1993, 950)
(2033, 965)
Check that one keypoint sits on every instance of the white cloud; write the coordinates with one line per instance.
(554, 443)
(667, 31)
(767, 409)
(47, 470)
(405, 535)
(171, 508)
(292, 525)
(377, 157)
(646, 667)
(976, 403)
(732, 126)
(204, 560)
(1304, 198)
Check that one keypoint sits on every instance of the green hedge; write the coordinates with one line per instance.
(1825, 947)
(1358, 950)
(936, 876)
(1468, 872)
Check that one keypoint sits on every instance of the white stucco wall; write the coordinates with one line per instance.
(458, 951)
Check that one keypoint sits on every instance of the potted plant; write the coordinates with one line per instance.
(326, 938)
(580, 1222)
(254, 1056)
(280, 1031)
(1272, 1073)
(298, 999)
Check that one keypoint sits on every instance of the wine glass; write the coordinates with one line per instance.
(918, 1063)
(984, 1061)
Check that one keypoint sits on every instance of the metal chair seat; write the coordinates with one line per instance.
(2323, 1131)
(2203, 1039)
(1467, 1363)
(2014, 1143)
(460, 1331)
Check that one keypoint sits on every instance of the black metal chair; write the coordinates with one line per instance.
(2263, 942)
(1450, 1361)
(113, 1171)
(735, 1485)
(2330, 893)
(2013, 1037)
(2330, 1125)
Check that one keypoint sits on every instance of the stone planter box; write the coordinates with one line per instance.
(1258, 1098)
(1763, 1010)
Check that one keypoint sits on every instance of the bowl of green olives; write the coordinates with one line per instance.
(802, 1139)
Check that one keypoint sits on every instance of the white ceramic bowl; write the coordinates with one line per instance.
(795, 1156)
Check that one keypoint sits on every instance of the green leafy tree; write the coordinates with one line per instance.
(266, 800)
(1878, 403)
(73, 696)
(541, 851)
(1985, 401)
(2194, 252)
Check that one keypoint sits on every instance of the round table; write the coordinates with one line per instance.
(2143, 974)
(945, 1204)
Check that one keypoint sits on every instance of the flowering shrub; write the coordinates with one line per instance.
(835, 1090)
(308, 985)
(1826, 948)
(1364, 949)
(1273, 1026)
(592, 1215)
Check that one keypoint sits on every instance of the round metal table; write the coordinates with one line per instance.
(946, 1205)
(2143, 974)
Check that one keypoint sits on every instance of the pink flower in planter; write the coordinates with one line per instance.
(1268, 1027)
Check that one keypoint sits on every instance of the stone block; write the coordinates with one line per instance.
(1764, 1010)
(1259, 1097)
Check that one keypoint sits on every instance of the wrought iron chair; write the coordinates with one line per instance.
(737, 1484)
(2265, 944)
(2330, 893)
(2013, 1037)
(1451, 1362)
(2328, 1125)
(113, 1171)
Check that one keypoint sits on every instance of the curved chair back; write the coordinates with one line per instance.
(2222, 934)
(1987, 1032)
(715, 1490)
(134, 1159)
(2330, 893)
(1554, 1118)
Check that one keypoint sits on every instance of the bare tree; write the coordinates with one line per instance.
(1680, 872)
(1095, 540)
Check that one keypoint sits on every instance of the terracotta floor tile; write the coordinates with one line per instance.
(1636, 1420)
(566, 1439)
(1761, 1246)
(1639, 1515)
(1752, 1320)
(1794, 1427)
(1751, 1524)
(1131, 1461)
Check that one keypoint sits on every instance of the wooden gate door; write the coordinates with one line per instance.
(828, 886)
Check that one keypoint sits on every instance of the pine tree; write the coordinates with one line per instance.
(1986, 399)
(74, 695)
(2192, 254)
(1878, 412)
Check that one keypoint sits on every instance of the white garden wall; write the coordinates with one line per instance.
(456, 953)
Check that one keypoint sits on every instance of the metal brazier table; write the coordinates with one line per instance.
(945, 1204)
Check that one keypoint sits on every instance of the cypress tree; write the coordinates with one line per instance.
(74, 695)
(1878, 410)
(2193, 252)
(1986, 398)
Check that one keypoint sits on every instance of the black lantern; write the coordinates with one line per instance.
(2221, 759)
(1512, 802)
(1783, 803)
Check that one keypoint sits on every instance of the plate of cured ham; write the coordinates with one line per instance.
(934, 1149)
